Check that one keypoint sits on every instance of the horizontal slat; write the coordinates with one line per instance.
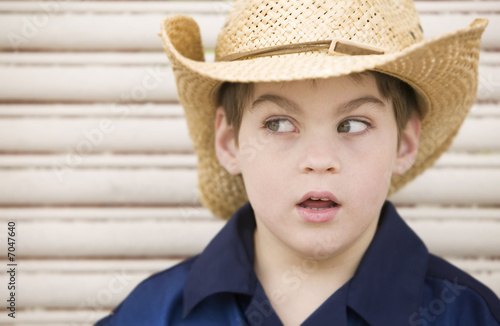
(111, 239)
(121, 110)
(478, 135)
(460, 186)
(444, 19)
(464, 238)
(69, 28)
(170, 161)
(100, 58)
(98, 186)
(449, 186)
(130, 110)
(479, 110)
(486, 6)
(128, 84)
(190, 7)
(39, 214)
(459, 160)
(163, 238)
(93, 290)
(124, 110)
(435, 213)
(115, 213)
(48, 289)
(87, 135)
(108, 266)
(130, 59)
(476, 265)
(189, 161)
(107, 32)
(485, 110)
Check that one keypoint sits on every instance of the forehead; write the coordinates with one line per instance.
(354, 83)
(330, 91)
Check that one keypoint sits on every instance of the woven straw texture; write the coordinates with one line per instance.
(443, 70)
(258, 24)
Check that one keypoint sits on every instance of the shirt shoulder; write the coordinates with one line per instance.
(453, 297)
(155, 300)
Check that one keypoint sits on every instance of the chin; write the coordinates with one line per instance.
(317, 247)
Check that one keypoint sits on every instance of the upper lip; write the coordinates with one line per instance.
(319, 194)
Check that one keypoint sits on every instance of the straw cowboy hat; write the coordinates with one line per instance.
(284, 40)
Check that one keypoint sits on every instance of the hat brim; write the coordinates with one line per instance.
(443, 70)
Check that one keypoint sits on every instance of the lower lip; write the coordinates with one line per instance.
(321, 216)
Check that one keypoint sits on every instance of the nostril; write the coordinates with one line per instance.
(320, 163)
(320, 169)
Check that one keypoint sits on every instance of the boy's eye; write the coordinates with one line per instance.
(279, 125)
(352, 126)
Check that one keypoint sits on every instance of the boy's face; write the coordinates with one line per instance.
(333, 138)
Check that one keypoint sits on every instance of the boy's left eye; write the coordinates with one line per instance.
(352, 126)
(279, 125)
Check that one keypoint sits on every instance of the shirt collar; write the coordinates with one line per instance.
(388, 284)
(226, 264)
(386, 288)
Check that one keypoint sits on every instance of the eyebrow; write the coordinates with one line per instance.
(291, 106)
(280, 101)
(354, 104)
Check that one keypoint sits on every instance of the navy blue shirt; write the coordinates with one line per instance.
(396, 283)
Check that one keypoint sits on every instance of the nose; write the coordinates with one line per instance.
(320, 155)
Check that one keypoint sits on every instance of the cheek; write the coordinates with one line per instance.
(371, 171)
(263, 179)
(258, 151)
(256, 163)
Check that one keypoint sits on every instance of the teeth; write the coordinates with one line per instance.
(322, 199)
(319, 208)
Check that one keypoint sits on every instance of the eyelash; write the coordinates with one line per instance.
(368, 124)
(266, 123)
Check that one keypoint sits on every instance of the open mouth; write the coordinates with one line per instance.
(318, 204)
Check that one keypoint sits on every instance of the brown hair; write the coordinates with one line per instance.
(233, 97)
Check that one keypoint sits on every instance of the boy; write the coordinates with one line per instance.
(311, 115)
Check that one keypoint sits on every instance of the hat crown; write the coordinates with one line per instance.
(257, 24)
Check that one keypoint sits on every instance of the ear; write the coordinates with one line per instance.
(408, 147)
(225, 143)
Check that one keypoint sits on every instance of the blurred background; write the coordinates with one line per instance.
(98, 172)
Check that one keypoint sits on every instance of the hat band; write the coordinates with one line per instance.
(333, 46)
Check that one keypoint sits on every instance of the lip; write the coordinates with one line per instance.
(321, 216)
(319, 194)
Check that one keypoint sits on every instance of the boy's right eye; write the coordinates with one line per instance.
(279, 125)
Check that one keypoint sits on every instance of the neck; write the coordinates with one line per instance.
(297, 284)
